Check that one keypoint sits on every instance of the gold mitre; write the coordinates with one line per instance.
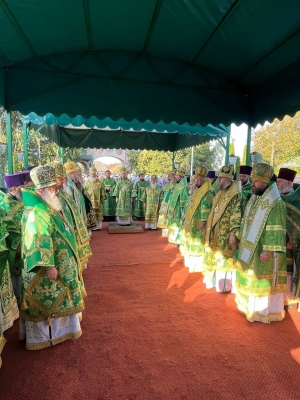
(153, 176)
(180, 171)
(43, 176)
(262, 172)
(123, 170)
(70, 167)
(60, 170)
(226, 171)
(200, 171)
(93, 169)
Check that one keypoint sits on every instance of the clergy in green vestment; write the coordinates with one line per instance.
(11, 203)
(109, 206)
(95, 191)
(176, 204)
(167, 191)
(124, 194)
(261, 260)
(53, 290)
(284, 183)
(9, 311)
(140, 187)
(80, 229)
(220, 241)
(72, 172)
(244, 177)
(193, 222)
(152, 198)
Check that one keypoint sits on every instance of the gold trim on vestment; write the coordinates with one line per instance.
(274, 228)
(66, 313)
(196, 199)
(280, 249)
(219, 206)
(2, 343)
(53, 342)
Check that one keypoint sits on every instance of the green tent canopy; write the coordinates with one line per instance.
(78, 132)
(183, 61)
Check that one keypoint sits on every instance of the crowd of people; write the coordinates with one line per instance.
(240, 231)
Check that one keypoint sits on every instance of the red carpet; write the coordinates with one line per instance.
(151, 331)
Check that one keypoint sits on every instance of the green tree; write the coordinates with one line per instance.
(231, 148)
(279, 142)
(133, 159)
(154, 162)
(209, 155)
(244, 158)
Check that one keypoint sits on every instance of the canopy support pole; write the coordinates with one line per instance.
(227, 147)
(25, 145)
(9, 142)
(221, 142)
(61, 155)
(173, 159)
(192, 161)
(29, 137)
(248, 157)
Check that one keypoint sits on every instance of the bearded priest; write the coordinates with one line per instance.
(52, 286)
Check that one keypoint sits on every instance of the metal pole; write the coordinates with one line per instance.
(9, 142)
(39, 148)
(192, 161)
(227, 147)
(25, 144)
(248, 156)
(173, 160)
(61, 155)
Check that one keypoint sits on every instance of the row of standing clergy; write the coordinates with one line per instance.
(122, 199)
(242, 235)
(44, 248)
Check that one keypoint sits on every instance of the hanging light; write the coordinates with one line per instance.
(232, 159)
(20, 155)
(3, 147)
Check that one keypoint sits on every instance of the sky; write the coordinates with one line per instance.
(239, 135)
(108, 160)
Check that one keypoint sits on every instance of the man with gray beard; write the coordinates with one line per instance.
(81, 233)
(53, 290)
(152, 198)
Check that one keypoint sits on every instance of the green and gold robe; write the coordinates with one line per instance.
(140, 188)
(124, 192)
(292, 202)
(263, 228)
(162, 218)
(13, 214)
(80, 230)
(196, 211)
(224, 220)
(109, 206)
(49, 241)
(152, 198)
(176, 204)
(78, 199)
(95, 192)
(9, 311)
